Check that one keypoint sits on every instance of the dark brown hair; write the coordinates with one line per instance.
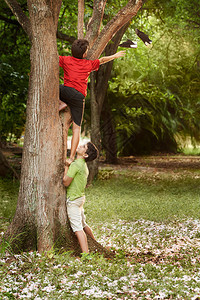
(92, 152)
(79, 47)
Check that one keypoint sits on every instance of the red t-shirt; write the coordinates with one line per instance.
(77, 71)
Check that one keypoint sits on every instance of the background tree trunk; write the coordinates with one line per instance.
(98, 89)
(109, 142)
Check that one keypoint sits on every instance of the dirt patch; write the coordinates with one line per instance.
(158, 161)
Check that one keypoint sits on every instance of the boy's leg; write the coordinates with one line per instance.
(75, 139)
(88, 230)
(62, 105)
(81, 236)
(75, 214)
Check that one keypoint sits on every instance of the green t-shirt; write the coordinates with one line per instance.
(79, 171)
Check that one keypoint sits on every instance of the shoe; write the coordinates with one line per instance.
(144, 37)
(129, 44)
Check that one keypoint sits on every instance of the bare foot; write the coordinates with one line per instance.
(62, 105)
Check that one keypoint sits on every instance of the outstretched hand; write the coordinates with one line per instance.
(106, 59)
(120, 53)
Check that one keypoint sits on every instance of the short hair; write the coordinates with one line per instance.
(79, 47)
(92, 152)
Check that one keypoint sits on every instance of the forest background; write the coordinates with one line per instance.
(153, 97)
(152, 101)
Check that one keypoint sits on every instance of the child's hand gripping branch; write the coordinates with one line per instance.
(76, 72)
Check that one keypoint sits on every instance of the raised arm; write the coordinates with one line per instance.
(106, 59)
(66, 179)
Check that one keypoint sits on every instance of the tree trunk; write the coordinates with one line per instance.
(109, 142)
(99, 85)
(95, 128)
(41, 203)
(40, 218)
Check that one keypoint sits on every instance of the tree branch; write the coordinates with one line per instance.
(119, 20)
(80, 18)
(20, 15)
(194, 22)
(54, 7)
(111, 48)
(93, 27)
(65, 37)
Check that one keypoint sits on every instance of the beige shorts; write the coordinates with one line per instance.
(75, 213)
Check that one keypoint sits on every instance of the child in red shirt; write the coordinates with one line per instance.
(76, 72)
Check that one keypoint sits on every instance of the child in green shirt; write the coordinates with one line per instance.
(75, 179)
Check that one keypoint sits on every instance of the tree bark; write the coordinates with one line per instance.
(94, 25)
(80, 18)
(109, 142)
(95, 127)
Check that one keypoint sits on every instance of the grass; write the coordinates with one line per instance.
(155, 196)
(8, 201)
(191, 150)
(149, 218)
